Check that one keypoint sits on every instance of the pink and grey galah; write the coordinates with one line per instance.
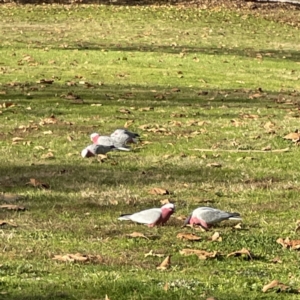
(207, 216)
(125, 136)
(93, 150)
(119, 138)
(151, 217)
(103, 140)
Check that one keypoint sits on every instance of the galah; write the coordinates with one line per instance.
(104, 140)
(206, 216)
(152, 216)
(124, 137)
(93, 150)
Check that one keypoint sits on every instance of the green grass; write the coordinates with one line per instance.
(191, 78)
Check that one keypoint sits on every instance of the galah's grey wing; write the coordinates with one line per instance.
(147, 216)
(101, 149)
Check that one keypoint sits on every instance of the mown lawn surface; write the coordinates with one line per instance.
(212, 94)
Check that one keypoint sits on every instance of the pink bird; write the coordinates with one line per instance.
(119, 138)
(151, 217)
(206, 216)
(103, 140)
(93, 150)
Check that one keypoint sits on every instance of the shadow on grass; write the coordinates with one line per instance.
(269, 54)
(91, 175)
(62, 296)
(82, 95)
(251, 53)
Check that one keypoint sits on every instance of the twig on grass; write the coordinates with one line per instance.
(242, 151)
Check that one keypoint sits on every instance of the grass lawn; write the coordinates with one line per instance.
(212, 93)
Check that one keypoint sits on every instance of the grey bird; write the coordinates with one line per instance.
(151, 217)
(124, 137)
(207, 216)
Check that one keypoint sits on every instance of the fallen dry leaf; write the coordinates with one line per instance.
(287, 243)
(39, 148)
(96, 104)
(269, 125)
(255, 96)
(9, 197)
(47, 121)
(113, 202)
(188, 236)
(275, 283)
(78, 257)
(284, 243)
(3, 222)
(165, 264)
(7, 104)
(76, 99)
(128, 123)
(158, 191)
(166, 286)
(295, 244)
(150, 253)
(214, 164)
(27, 143)
(124, 111)
(48, 155)
(46, 81)
(137, 235)
(181, 218)
(267, 148)
(146, 108)
(293, 136)
(48, 132)
(276, 260)
(17, 139)
(216, 237)
(244, 251)
(238, 226)
(165, 201)
(34, 182)
(202, 254)
(12, 207)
